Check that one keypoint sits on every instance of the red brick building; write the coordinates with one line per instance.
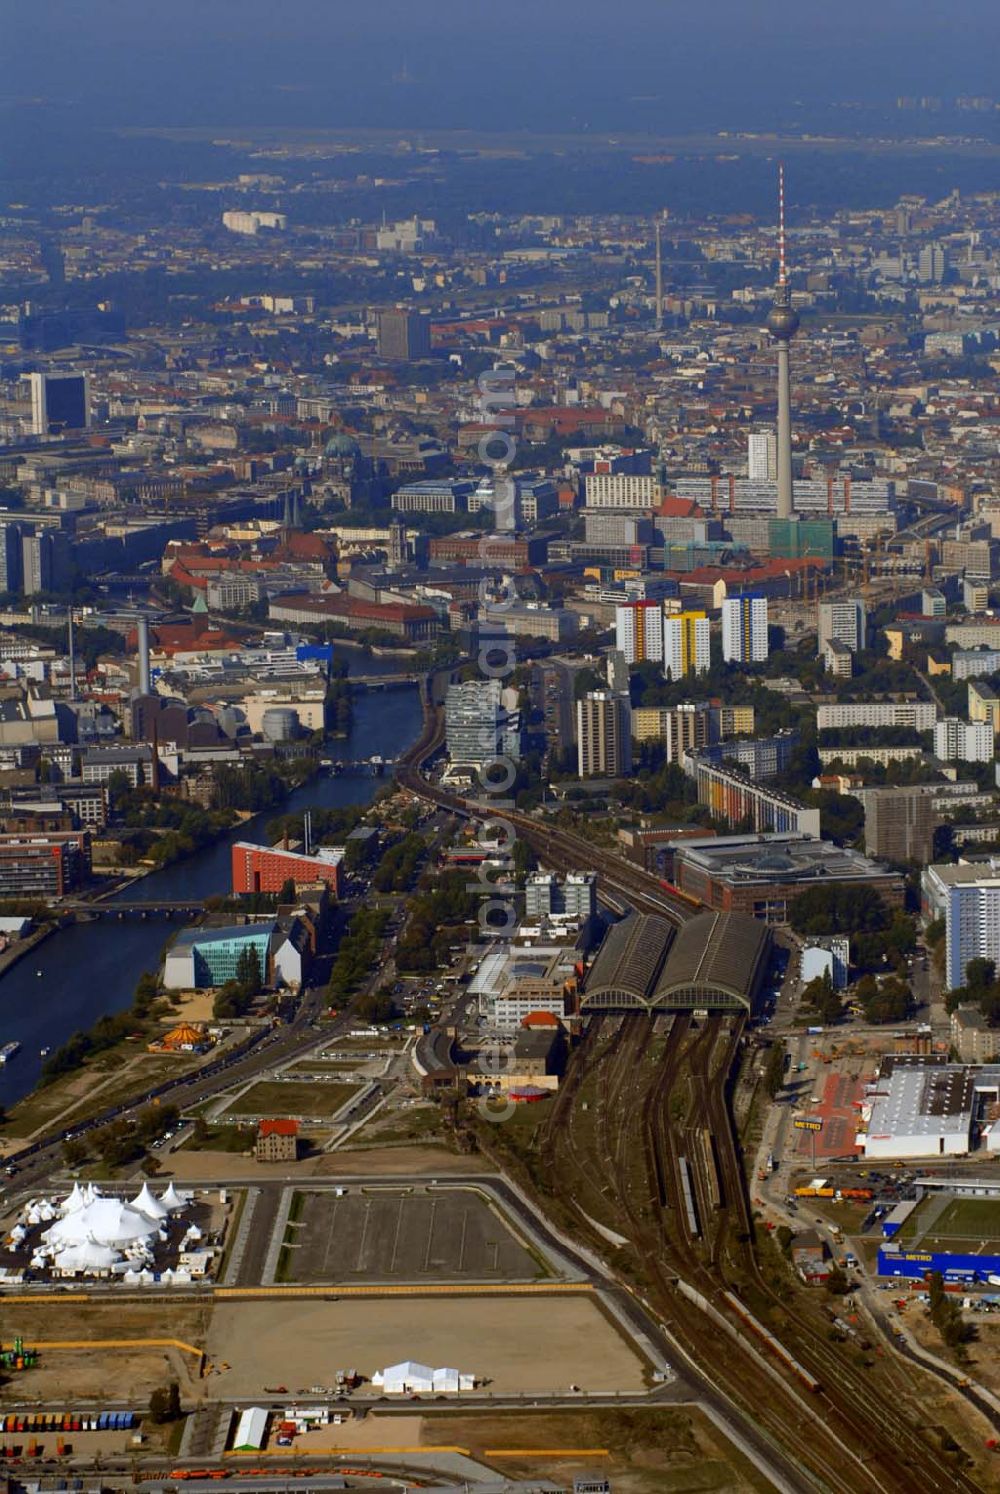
(267, 868)
(277, 1141)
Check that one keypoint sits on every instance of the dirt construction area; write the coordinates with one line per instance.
(536, 1344)
(451, 1235)
(70, 1375)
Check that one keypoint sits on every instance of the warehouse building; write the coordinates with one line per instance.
(922, 1106)
(714, 962)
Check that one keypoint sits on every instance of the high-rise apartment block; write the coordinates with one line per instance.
(686, 728)
(844, 620)
(639, 631)
(59, 402)
(572, 896)
(975, 594)
(403, 335)
(686, 644)
(11, 558)
(681, 728)
(744, 630)
(620, 490)
(968, 898)
(45, 561)
(762, 456)
(603, 735)
(984, 704)
(899, 824)
(963, 741)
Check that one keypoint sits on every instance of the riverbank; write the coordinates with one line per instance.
(17, 951)
(93, 967)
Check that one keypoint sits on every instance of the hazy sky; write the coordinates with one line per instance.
(502, 64)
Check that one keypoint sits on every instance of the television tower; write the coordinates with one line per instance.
(783, 323)
(659, 277)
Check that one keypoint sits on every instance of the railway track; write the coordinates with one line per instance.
(844, 1433)
(886, 1449)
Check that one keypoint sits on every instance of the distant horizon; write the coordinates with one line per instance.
(669, 66)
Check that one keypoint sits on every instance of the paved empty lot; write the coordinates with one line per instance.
(536, 1344)
(401, 1237)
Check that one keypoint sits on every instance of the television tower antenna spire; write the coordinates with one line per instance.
(782, 266)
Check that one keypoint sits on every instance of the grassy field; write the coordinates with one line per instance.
(405, 1125)
(671, 1449)
(271, 1097)
(102, 1082)
(222, 1139)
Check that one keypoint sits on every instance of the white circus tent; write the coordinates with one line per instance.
(107, 1221)
(173, 1201)
(149, 1205)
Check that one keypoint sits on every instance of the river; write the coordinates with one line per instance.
(92, 968)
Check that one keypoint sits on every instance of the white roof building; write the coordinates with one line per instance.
(918, 1108)
(251, 1429)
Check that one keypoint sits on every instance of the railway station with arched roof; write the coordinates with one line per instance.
(713, 962)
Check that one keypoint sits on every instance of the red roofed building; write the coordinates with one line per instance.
(277, 1141)
(541, 1019)
(410, 622)
(490, 549)
(196, 636)
(679, 508)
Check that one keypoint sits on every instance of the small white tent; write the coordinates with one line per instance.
(405, 1378)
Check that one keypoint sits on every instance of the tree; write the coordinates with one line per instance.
(837, 1283)
(774, 1070)
(287, 893)
(74, 1152)
(890, 1001)
(822, 997)
(248, 972)
(980, 973)
(375, 1007)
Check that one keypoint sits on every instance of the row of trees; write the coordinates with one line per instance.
(946, 1316)
(358, 952)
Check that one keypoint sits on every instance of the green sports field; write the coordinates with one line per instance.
(966, 1226)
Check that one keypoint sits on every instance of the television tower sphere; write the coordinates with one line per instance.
(783, 319)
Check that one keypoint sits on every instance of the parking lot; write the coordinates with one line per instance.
(397, 1236)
